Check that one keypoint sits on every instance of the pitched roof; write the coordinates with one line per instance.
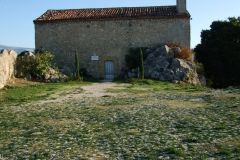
(111, 13)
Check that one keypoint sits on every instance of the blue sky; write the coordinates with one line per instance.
(16, 16)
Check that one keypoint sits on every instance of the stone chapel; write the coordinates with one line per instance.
(103, 36)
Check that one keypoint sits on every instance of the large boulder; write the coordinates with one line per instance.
(157, 63)
(7, 66)
(161, 64)
(185, 71)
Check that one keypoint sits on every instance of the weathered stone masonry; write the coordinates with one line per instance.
(7, 66)
(109, 39)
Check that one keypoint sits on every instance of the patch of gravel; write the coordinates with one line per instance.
(95, 90)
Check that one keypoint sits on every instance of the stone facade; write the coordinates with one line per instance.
(109, 39)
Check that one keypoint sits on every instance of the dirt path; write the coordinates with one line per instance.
(94, 90)
(97, 89)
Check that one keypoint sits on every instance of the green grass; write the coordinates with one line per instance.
(12, 95)
(137, 86)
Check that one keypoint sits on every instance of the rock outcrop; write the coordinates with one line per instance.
(7, 66)
(161, 64)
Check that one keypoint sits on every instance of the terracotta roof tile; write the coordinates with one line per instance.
(112, 13)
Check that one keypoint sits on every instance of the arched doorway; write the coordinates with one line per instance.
(109, 70)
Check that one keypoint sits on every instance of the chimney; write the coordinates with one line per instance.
(181, 6)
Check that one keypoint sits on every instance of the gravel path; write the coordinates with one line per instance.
(94, 90)
(97, 90)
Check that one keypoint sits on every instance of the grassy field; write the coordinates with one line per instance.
(143, 120)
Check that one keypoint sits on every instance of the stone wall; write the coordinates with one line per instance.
(7, 63)
(109, 40)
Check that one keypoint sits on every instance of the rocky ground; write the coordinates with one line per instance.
(119, 121)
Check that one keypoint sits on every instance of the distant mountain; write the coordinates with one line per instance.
(18, 50)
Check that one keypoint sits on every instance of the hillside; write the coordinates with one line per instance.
(16, 49)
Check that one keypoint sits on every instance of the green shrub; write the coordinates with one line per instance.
(37, 65)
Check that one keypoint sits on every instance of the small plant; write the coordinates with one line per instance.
(190, 75)
(226, 151)
(237, 150)
(186, 53)
(174, 150)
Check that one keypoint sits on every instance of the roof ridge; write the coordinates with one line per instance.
(111, 13)
(109, 8)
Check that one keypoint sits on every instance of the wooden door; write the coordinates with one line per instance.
(109, 70)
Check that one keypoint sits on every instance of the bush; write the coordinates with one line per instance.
(36, 66)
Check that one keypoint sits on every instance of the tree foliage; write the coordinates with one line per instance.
(219, 52)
